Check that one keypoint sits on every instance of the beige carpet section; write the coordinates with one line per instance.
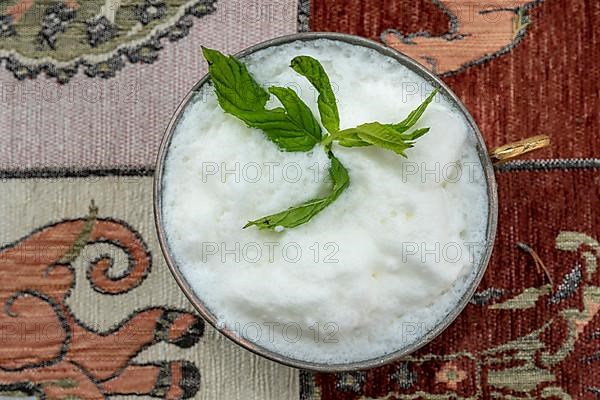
(29, 206)
(115, 122)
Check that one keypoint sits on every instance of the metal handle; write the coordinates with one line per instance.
(517, 149)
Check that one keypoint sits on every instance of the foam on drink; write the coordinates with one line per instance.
(372, 272)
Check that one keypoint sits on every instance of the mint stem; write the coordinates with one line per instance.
(329, 139)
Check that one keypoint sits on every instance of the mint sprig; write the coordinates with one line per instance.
(293, 127)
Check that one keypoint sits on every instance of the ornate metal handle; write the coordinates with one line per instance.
(516, 149)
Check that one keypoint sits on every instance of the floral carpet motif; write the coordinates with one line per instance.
(58, 37)
(46, 351)
(89, 310)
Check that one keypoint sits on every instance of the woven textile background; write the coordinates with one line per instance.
(88, 308)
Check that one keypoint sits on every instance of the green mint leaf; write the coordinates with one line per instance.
(292, 128)
(279, 128)
(349, 138)
(298, 112)
(316, 75)
(304, 212)
(389, 136)
(233, 83)
(414, 115)
(377, 134)
(417, 133)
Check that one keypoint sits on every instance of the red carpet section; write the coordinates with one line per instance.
(522, 68)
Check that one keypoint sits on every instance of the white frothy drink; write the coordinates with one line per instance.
(371, 273)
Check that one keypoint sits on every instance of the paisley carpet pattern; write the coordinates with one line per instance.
(60, 36)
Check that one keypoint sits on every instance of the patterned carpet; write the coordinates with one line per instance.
(89, 309)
